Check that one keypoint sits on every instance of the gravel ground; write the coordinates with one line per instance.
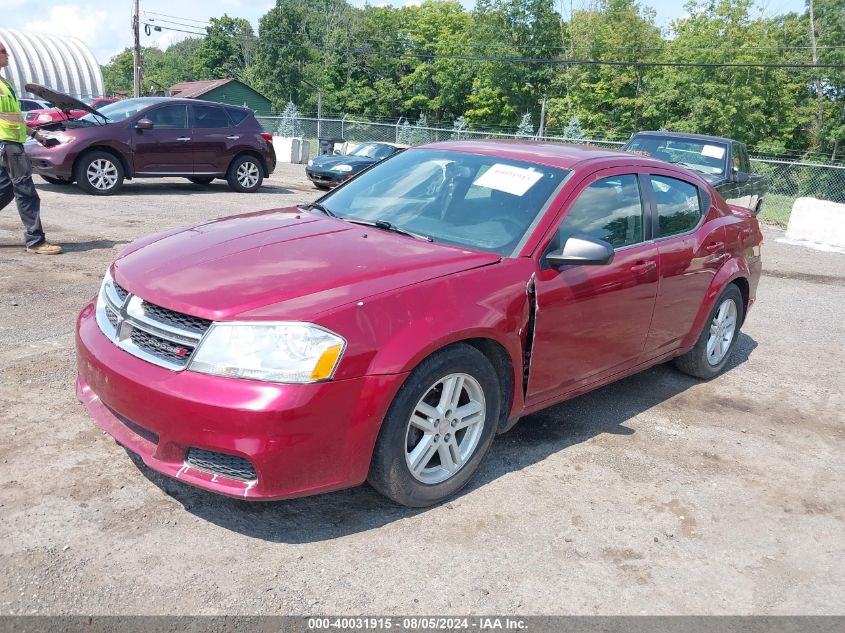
(658, 494)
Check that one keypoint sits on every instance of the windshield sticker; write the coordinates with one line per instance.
(713, 151)
(512, 180)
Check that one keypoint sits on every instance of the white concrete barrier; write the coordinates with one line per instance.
(818, 224)
(290, 149)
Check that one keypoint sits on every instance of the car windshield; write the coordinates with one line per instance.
(371, 150)
(703, 156)
(120, 110)
(480, 202)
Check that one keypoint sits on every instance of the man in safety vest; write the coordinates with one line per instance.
(15, 169)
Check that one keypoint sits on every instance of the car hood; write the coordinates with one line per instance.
(327, 162)
(63, 102)
(280, 264)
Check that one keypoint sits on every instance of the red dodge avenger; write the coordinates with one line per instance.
(389, 331)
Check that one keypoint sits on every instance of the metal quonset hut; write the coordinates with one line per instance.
(64, 64)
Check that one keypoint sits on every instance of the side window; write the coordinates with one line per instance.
(743, 160)
(236, 115)
(678, 205)
(210, 117)
(174, 117)
(609, 209)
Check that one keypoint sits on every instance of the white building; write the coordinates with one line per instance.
(64, 64)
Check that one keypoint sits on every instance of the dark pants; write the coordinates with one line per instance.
(16, 182)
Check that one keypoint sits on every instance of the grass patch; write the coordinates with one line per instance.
(776, 209)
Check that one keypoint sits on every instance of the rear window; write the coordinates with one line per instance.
(237, 116)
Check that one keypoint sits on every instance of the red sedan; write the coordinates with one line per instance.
(389, 331)
(49, 115)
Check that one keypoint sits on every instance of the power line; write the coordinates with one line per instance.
(176, 17)
(531, 60)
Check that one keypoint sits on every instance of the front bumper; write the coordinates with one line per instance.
(327, 178)
(300, 439)
(52, 161)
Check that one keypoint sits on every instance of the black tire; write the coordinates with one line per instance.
(322, 187)
(758, 208)
(697, 362)
(245, 174)
(390, 472)
(201, 180)
(99, 173)
(53, 180)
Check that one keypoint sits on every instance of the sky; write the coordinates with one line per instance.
(106, 27)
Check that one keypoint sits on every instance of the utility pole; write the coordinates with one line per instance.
(818, 84)
(136, 27)
(542, 129)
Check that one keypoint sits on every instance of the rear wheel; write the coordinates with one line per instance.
(438, 428)
(713, 349)
(245, 174)
(99, 173)
(201, 180)
(54, 180)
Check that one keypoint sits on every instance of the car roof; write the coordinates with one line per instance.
(694, 137)
(541, 152)
(178, 101)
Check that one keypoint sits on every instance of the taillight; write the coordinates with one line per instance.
(266, 137)
(44, 117)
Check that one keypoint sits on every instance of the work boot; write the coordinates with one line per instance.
(44, 248)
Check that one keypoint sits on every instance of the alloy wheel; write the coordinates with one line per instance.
(102, 174)
(248, 174)
(722, 331)
(444, 429)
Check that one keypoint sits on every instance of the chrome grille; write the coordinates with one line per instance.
(112, 316)
(161, 347)
(221, 464)
(150, 332)
(121, 292)
(175, 319)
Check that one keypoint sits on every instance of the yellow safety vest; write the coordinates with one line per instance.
(12, 125)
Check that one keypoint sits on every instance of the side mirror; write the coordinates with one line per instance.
(144, 124)
(740, 177)
(581, 249)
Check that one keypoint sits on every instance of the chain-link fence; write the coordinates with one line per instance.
(787, 180)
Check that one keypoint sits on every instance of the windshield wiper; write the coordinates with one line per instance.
(384, 225)
(319, 207)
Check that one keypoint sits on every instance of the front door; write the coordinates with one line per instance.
(167, 148)
(593, 321)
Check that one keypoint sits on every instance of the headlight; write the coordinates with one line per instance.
(61, 138)
(310, 162)
(273, 352)
(342, 168)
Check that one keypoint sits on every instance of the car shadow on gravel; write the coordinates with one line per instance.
(169, 188)
(93, 245)
(338, 514)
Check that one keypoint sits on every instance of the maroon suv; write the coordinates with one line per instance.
(153, 137)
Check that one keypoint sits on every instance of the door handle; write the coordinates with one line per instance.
(182, 139)
(643, 267)
(712, 247)
(234, 137)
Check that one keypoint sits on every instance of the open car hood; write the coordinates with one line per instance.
(63, 102)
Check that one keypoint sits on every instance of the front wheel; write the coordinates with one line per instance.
(245, 174)
(713, 349)
(99, 173)
(438, 428)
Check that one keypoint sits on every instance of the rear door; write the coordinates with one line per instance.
(593, 321)
(165, 149)
(214, 138)
(691, 245)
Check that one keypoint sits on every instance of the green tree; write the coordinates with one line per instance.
(526, 128)
(226, 51)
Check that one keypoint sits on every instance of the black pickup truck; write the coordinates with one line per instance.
(722, 161)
